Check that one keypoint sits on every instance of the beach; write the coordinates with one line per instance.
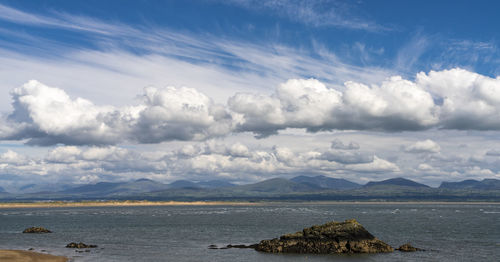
(124, 203)
(7, 255)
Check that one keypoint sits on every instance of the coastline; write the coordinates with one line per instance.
(119, 203)
(11, 255)
(55, 204)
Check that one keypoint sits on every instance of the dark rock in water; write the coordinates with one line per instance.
(331, 238)
(408, 248)
(36, 230)
(79, 245)
(242, 246)
(232, 246)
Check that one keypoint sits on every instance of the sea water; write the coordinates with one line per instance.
(449, 232)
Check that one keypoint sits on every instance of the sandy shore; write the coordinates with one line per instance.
(28, 256)
(120, 203)
(216, 203)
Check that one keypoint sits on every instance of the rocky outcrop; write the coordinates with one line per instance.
(331, 238)
(253, 246)
(79, 245)
(36, 230)
(408, 248)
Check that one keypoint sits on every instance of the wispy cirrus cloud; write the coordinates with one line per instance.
(123, 59)
(316, 13)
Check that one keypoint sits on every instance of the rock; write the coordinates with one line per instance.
(79, 245)
(242, 246)
(213, 247)
(408, 248)
(331, 238)
(36, 230)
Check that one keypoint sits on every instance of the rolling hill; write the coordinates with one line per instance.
(326, 182)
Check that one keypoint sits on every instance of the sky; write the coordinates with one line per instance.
(245, 90)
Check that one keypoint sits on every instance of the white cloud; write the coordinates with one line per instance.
(313, 13)
(12, 158)
(64, 154)
(425, 167)
(377, 165)
(469, 100)
(395, 105)
(47, 116)
(346, 157)
(338, 144)
(425, 146)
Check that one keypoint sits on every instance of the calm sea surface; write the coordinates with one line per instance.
(183, 233)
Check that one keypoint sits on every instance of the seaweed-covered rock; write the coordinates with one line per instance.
(331, 238)
(408, 248)
(79, 245)
(36, 230)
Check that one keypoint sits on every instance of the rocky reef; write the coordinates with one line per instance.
(79, 245)
(408, 248)
(36, 230)
(346, 237)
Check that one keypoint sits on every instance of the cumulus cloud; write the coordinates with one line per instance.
(12, 158)
(425, 146)
(46, 116)
(345, 157)
(425, 167)
(448, 99)
(470, 101)
(395, 105)
(377, 165)
(338, 144)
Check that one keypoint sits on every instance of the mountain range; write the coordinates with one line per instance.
(297, 188)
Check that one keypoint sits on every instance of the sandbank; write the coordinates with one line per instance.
(28, 256)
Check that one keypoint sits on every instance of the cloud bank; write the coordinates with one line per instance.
(449, 99)
(195, 161)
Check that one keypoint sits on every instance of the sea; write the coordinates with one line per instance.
(448, 232)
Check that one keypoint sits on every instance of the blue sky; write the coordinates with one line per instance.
(365, 33)
(197, 89)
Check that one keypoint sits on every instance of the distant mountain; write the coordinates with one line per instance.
(37, 188)
(1, 189)
(109, 188)
(326, 182)
(215, 184)
(298, 188)
(399, 181)
(183, 184)
(278, 185)
(485, 184)
(100, 188)
(203, 184)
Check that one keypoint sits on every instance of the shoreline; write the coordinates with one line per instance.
(13, 255)
(132, 203)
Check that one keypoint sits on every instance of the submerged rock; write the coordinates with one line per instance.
(36, 230)
(242, 246)
(331, 238)
(232, 246)
(408, 248)
(79, 245)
